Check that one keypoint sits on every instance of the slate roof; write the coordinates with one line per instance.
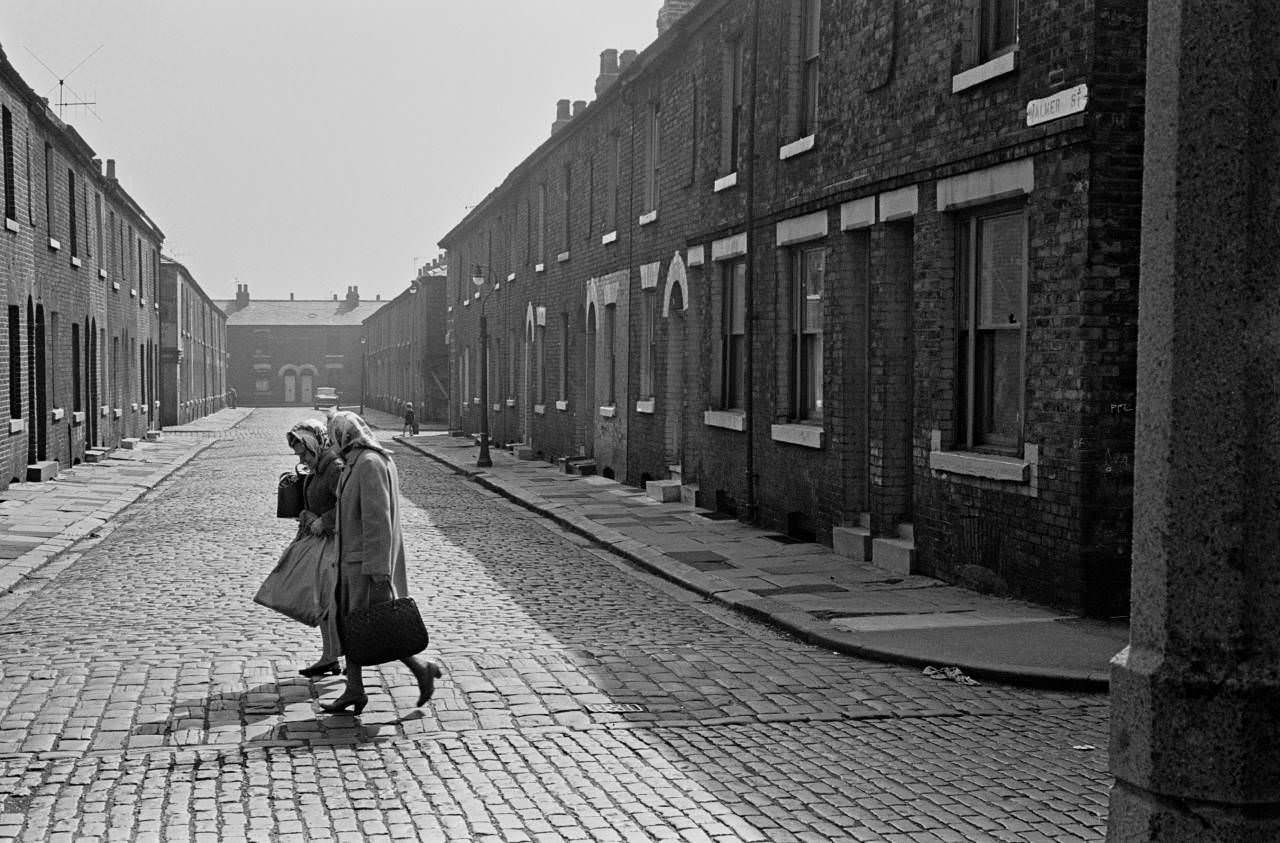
(297, 312)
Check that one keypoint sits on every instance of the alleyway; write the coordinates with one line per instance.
(144, 695)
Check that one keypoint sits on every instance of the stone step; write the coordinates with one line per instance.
(582, 466)
(663, 491)
(897, 555)
(690, 494)
(852, 542)
(522, 452)
(129, 443)
(153, 436)
(675, 472)
(908, 532)
(96, 454)
(42, 470)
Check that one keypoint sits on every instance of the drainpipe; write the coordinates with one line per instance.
(749, 223)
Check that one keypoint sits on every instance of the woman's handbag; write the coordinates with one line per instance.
(296, 586)
(384, 632)
(289, 498)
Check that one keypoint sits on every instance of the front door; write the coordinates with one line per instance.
(307, 391)
(290, 388)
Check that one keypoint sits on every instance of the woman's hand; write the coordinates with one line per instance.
(381, 591)
(317, 527)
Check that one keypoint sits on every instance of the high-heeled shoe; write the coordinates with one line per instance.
(427, 682)
(321, 669)
(357, 702)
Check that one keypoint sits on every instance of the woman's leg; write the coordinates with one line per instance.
(426, 672)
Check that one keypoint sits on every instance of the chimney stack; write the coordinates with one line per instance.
(562, 116)
(242, 290)
(578, 106)
(111, 168)
(624, 61)
(608, 70)
(670, 13)
(353, 296)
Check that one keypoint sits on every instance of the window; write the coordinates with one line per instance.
(991, 298)
(568, 204)
(48, 189)
(807, 101)
(733, 334)
(652, 157)
(564, 357)
(26, 151)
(997, 28)
(15, 362)
(615, 178)
(591, 198)
(732, 111)
(540, 357)
(75, 367)
(648, 320)
(808, 269)
(692, 175)
(71, 206)
(540, 232)
(611, 352)
(10, 189)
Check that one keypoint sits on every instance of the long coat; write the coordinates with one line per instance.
(369, 539)
(320, 492)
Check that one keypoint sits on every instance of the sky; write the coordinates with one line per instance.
(304, 146)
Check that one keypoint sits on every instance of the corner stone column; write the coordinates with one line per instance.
(1195, 730)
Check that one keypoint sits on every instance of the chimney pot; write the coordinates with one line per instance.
(562, 116)
(608, 70)
(111, 168)
(578, 106)
(625, 59)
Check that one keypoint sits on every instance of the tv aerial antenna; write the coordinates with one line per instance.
(64, 88)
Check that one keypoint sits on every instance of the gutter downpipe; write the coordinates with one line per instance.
(749, 302)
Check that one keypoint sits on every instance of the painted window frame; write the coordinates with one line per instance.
(806, 349)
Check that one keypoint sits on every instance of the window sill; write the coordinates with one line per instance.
(77, 418)
(511, 277)
(562, 257)
(609, 411)
(467, 303)
(727, 419)
(646, 407)
(497, 408)
(511, 402)
(985, 72)
(539, 267)
(54, 244)
(11, 225)
(17, 425)
(58, 414)
(725, 182)
(133, 407)
(76, 263)
(102, 273)
(133, 293)
(804, 435)
(104, 410)
(562, 406)
(611, 237)
(115, 285)
(990, 466)
(646, 219)
(116, 412)
(475, 402)
(796, 147)
(540, 409)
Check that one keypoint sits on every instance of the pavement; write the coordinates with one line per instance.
(803, 588)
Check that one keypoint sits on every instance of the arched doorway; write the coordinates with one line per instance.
(306, 384)
(589, 400)
(675, 398)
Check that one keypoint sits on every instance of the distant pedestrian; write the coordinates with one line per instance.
(310, 441)
(371, 559)
(231, 397)
(410, 420)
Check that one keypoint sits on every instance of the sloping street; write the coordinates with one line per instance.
(143, 695)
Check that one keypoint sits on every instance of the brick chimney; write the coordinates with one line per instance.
(670, 13)
(624, 60)
(562, 116)
(578, 106)
(111, 169)
(608, 70)
(242, 290)
(353, 296)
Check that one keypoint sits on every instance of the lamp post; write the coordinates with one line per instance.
(483, 460)
(364, 370)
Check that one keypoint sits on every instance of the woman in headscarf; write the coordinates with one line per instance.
(371, 560)
(310, 441)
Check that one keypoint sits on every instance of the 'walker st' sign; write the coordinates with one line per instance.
(1070, 101)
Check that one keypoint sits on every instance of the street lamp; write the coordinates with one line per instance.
(484, 460)
(364, 370)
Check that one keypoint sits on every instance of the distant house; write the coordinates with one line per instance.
(281, 350)
(408, 359)
(193, 348)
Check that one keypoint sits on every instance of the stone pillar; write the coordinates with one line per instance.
(1195, 734)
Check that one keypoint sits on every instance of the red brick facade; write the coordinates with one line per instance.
(408, 360)
(193, 348)
(931, 335)
(79, 283)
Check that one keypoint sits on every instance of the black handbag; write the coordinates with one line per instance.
(384, 632)
(289, 498)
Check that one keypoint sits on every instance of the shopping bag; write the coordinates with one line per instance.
(289, 498)
(294, 588)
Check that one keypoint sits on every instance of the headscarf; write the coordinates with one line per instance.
(348, 431)
(313, 436)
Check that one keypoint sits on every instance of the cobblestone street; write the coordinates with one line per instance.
(144, 695)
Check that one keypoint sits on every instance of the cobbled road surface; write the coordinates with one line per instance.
(143, 695)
